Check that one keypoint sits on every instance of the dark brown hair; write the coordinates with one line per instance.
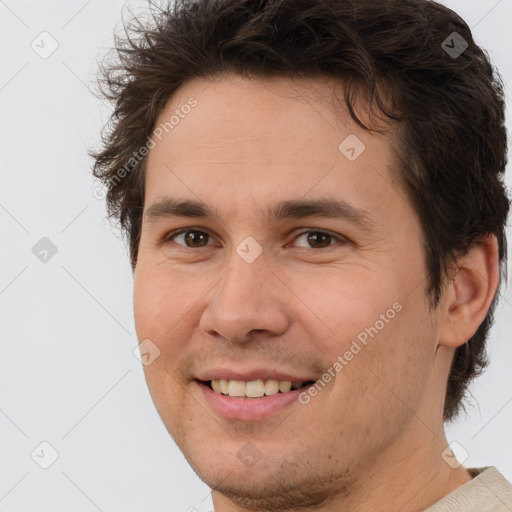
(444, 100)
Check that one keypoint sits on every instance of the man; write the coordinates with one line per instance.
(314, 201)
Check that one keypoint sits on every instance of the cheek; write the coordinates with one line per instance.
(353, 304)
(162, 306)
(377, 328)
(160, 311)
(385, 362)
(163, 303)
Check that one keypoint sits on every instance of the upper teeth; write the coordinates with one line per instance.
(253, 388)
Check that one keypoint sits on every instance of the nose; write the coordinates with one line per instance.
(249, 299)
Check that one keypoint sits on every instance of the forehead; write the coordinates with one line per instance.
(262, 137)
(231, 109)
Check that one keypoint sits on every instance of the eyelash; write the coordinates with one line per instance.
(173, 234)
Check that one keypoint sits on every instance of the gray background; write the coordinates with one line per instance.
(68, 375)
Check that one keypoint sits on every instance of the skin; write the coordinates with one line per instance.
(372, 438)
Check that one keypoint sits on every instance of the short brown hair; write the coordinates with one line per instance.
(446, 100)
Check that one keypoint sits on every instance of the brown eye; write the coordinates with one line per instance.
(192, 238)
(318, 239)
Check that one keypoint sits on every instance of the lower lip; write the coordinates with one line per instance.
(249, 409)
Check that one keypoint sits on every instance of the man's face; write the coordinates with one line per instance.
(242, 297)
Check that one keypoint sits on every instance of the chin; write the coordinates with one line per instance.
(270, 491)
(268, 484)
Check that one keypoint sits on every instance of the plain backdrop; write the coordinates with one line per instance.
(68, 375)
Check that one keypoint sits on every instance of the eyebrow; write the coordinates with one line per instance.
(330, 208)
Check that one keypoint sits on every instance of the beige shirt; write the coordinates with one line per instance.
(489, 491)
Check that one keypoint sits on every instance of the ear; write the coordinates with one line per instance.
(469, 293)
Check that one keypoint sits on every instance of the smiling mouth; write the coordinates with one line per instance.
(254, 388)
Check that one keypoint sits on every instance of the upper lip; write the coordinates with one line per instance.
(249, 375)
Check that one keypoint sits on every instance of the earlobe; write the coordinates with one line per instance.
(470, 293)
